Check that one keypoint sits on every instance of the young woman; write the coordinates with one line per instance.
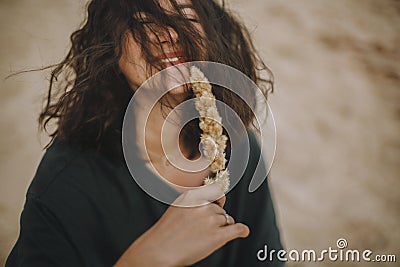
(83, 208)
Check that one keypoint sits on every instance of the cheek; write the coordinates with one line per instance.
(203, 36)
(200, 29)
(132, 65)
(127, 70)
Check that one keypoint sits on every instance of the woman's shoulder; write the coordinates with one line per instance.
(64, 166)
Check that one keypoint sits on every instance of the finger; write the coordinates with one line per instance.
(221, 201)
(224, 220)
(204, 194)
(230, 220)
(216, 209)
(233, 231)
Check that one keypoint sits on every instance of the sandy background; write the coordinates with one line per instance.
(336, 105)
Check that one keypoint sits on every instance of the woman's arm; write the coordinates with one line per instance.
(42, 241)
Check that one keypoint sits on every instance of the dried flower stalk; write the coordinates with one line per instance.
(213, 142)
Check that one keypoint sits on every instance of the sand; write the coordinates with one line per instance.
(336, 105)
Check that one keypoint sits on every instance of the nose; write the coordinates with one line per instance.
(167, 35)
(173, 35)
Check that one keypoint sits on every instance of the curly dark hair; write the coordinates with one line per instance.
(88, 94)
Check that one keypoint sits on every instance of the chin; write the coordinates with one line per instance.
(178, 90)
(177, 81)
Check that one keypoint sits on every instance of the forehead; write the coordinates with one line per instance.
(167, 5)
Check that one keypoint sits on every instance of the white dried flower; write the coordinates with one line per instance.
(206, 101)
(212, 113)
(208, 181)
(221, 142)
(213, 142)
(222, 178)
(218, 163)
(209, 147)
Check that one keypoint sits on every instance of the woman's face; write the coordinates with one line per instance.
(164, 44)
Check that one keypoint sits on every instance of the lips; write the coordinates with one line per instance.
(172, 58)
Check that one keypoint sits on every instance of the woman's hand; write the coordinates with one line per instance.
(190, 230)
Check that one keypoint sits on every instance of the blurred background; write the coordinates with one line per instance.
(336, 106)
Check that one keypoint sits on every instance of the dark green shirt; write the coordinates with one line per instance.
(83, 209)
